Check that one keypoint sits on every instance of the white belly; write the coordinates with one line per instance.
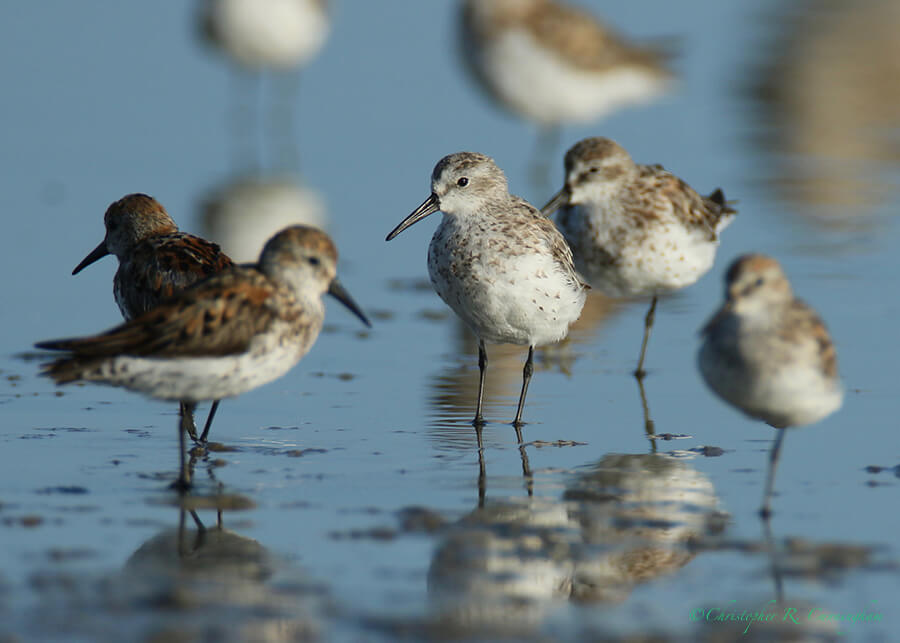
(623, 261)
(521, 300)
(197, 379)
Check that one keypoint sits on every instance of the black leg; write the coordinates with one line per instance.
(773, 560)
(526, 379)
(186, 413)
(209, 419)
(648, 324)
(482, 472)
(482, 367)
(184, 473)
(765, 511)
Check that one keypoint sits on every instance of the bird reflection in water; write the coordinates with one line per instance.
(213, 583)
(275, 36)
(243, 213)
(555, 64)
(624, 521)
(827, 97)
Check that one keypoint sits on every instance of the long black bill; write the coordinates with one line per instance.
(559, 200)
(97, 253)
(337, 291)
(429, 206)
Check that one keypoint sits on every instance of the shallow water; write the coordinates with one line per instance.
(347, 501)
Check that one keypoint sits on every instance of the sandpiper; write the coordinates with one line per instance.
(635, 230)
(228, 334)
(155, 261)
(497, 262)
(554, 64)
(769, 354)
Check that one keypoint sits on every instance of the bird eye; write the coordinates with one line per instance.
(313, 261)
(463, 182)
(594, 170)
(759, 282)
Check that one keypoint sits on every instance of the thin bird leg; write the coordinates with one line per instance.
(482, 473)
(482, 367)
(184, 474)
(773, 561)
(526, 379)
(765, 511)
(209, 419)
(186, 413)
(648, 324)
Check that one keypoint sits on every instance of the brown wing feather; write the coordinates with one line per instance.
(163, 265)
(661, 191)
(580, 39)
(217, 317)
(804, 324)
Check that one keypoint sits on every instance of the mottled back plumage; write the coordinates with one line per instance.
(553, 64)
(767, 352)
(156, 260)
(270, 312)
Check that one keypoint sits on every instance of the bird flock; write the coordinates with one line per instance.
(199, 327)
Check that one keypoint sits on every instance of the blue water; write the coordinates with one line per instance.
(103, 99)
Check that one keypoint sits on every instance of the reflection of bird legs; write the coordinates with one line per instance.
(765, 511)
(773, 560)
(242, 119)
(482, 469)
(526, 467)
(482, 474)
(649, 427)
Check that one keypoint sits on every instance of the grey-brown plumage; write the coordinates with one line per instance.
(223, 336)
(553, 63)
(635, 230)
(769, 354)
(156, 260)
(497, 262)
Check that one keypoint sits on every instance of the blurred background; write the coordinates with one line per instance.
(349, 501)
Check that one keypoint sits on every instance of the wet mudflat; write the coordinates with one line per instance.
(348, 501)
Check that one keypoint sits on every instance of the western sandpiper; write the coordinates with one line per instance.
(228, 334)
(635, 230)
(554, 64)
(769, 354)
(155, 261)
(500, 265)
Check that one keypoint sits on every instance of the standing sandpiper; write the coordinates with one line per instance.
(769, 354)
(155, 261)
(231, 333)
(553, 64)
(500, 265)
(635, 230)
